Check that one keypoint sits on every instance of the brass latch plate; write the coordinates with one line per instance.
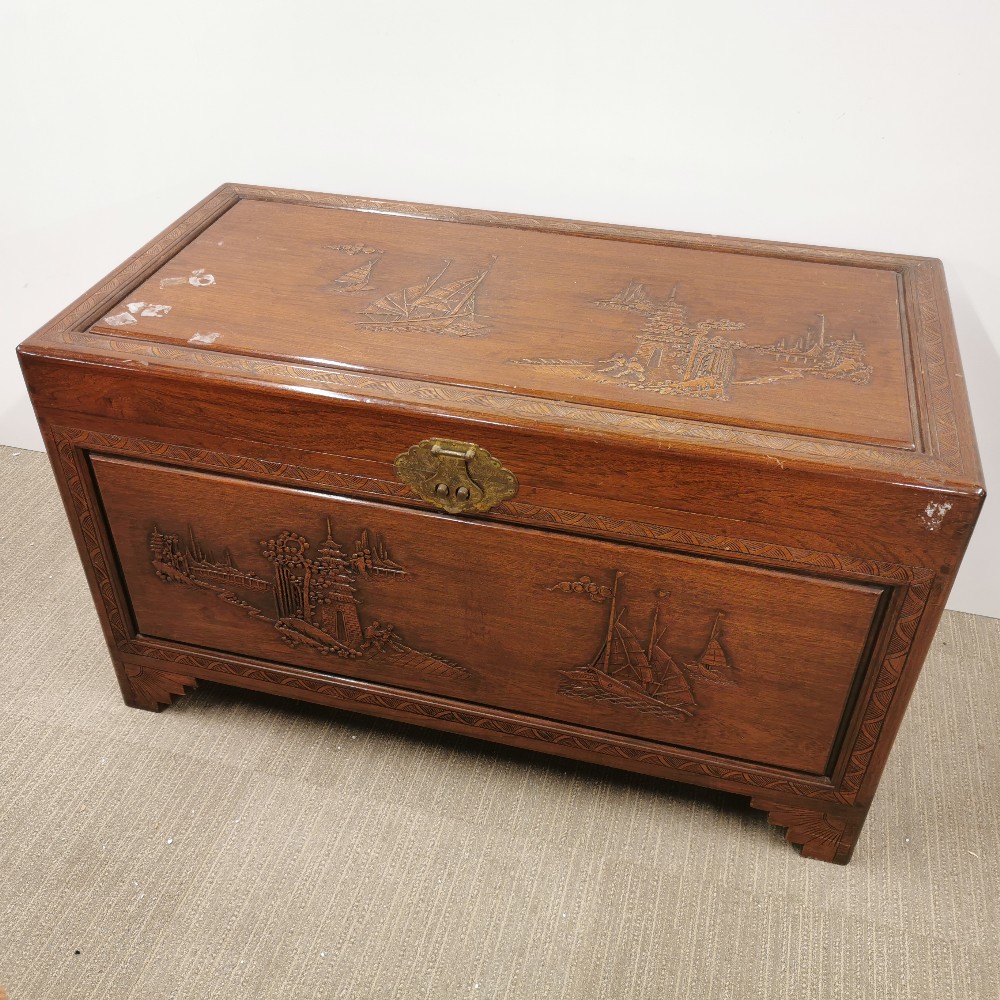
(456, 476)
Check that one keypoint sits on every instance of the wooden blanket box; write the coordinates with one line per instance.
(683, 505)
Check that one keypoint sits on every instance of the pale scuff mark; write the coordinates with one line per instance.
(934, 514)
(204, 338)
(120, 319)
(198, 278)
(127, 316)
(148, 309)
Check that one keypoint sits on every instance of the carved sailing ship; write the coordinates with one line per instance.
(433, 307)
(713, 664)
(816, 353)
(632, 297)
(313, 602)
(628, 674)
(371, 556)
(355, 280)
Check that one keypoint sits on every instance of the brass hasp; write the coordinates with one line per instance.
(455, 476)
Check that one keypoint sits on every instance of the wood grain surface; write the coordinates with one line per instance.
(745, 478)
(498, 615)
(273, 281)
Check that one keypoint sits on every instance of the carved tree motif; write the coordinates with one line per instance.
(309, 599)
(678, 357)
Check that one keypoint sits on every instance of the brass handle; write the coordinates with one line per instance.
(469, 453)
(455, 476)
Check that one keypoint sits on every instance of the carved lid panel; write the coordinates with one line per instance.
(750, 339)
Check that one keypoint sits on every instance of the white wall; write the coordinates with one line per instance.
(855, 124)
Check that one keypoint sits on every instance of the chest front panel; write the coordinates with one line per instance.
(746, 662)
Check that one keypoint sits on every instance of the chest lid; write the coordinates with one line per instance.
(813, 355)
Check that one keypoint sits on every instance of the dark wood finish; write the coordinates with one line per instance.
(745, 475)
(492, 614)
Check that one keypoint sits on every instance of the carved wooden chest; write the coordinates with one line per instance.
(678, 504)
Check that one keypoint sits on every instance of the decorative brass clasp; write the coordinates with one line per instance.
(456, 476)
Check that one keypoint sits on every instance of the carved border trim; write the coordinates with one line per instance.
(69, 457)
(918, 580)
(770, 551)
(944, 429)
(598, 230)
(886, 681)
(625, 528)
(654, 426)
(486, 719)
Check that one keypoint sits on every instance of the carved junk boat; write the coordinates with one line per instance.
(713, 664)
(625, 673)
(441, 308)
(355, 280)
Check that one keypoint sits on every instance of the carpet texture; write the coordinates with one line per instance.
(241, 846)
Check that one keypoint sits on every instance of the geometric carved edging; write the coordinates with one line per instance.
(886, 682)
(943, 425)
(657, 426)
(728, 545)
(625, 528)
(69, 459)
(937, 378)
(156, 689)
(820, 835)
(918, 580)
(336, 689)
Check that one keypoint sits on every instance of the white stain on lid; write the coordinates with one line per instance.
(148, 309)
(198, 278)
(120, 319)
(204, 338)
(934, 514)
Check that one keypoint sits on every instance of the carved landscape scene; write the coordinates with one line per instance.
(310, 600)
(676, 356)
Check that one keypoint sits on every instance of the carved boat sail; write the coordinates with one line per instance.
(371, 556)
(670, 683)
(632, 296)
(435, 307)
(713, 663)
(625, 673)
(355, 280)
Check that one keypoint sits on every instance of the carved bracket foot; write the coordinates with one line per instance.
(153, 690)
(820, 835)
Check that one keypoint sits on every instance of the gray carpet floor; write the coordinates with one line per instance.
(240, 846)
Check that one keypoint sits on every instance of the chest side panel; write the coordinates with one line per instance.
(749, 663)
